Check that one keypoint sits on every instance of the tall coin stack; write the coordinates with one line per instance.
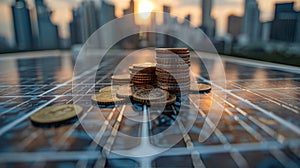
(143, 74)
(172, 70)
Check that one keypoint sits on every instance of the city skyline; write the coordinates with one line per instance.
(194, 11)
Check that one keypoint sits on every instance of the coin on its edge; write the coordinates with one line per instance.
(55, 114)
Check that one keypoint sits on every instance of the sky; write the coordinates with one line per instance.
(222, 8)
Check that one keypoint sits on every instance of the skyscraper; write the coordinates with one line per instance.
(251, 24)
(48, 37)
(234, 26)
(208, 23)
(187, 20)
(76, 28)
(167, 17)
(130, 9)
(298, 28)
(22, 25)
(285, 23)
(107, 12)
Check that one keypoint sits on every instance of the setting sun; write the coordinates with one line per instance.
(145, 7)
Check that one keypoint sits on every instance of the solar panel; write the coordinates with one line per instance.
(259, 126)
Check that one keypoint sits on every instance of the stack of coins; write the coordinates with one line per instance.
(120, 79)
(143, 74)
(172, 70)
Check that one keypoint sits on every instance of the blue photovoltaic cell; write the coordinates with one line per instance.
(259, 126)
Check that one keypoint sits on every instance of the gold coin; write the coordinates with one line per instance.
(144, 65)
(174, 50)
(55, 114)
(121, 77)
(124, 91)
(147, 95)
(200, 87)
(109, 88)
(106, 98)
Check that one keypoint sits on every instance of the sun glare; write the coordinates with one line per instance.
(145, 8)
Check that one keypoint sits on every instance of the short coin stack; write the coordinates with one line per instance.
(122, 79)
(172, 70)
(143, 74)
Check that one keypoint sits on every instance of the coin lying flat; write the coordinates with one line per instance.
(106, 98)
(200, 87)
(124, 91)
(109, 88)
(121, 77)
(55, 114)
(144, 65)
(174, 50)
(145, 96)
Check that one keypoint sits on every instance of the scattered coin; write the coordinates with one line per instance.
(106, 98)
(145, 96)
(200, 87)
(124, 91)
(56, 114)
(109, 88)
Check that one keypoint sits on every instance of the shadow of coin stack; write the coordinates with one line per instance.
(172, 70)
(143, 75)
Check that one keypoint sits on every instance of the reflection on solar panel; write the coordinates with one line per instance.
(259, 126)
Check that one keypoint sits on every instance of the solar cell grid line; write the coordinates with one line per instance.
(272, 115)
(274, 100)
(94, 144)
(16, 122)
(69, 131)
(272, 132)
(236, 156)
(111, 139)
(14, 107)
(12, 124)
(196, 159)
(264, 79)
(277, 136)
(280, 156)
(36, 136)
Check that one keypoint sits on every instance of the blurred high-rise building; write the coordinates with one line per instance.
(266, 31)
(187, 20)
(130, 9)
(86, 21)
(298, 28)
(76, 28)
(234, 27)
(208, 23)
(284, 25)
(48, 37)
(22, 25)
(167, 17)
(251, 23)
(107, 12)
